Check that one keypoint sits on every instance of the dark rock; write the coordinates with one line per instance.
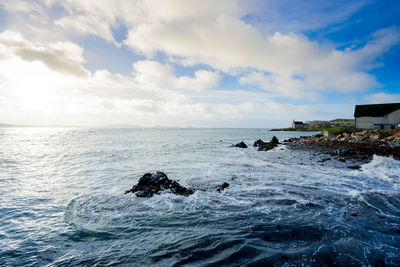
(222, 187)
(267, 146)
(274, 140)
(345, 152)
(258, 143)
(290, 140)
(355, 167)
(152, 183)
(241, 145)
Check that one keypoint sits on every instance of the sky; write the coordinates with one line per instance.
(181, 63)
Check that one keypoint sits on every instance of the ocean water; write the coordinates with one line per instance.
(63, 202)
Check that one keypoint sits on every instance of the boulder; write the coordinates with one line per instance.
(258, 143)
(267, 146)
(153, 183)
(241, 145)
(274, 140)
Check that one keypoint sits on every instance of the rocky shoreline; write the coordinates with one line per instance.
(362, 144)
(348, 149)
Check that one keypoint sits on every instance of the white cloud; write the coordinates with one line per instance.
(214, 33)
(99, 17)
(153, 73)
(30, 7)
(202, 79)
(382, 98)
(232, 46)
(48, 96)
(65, 57)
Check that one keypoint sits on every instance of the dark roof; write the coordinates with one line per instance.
(377, 110)
(298, 122)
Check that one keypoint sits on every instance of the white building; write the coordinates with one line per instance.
(378, 116)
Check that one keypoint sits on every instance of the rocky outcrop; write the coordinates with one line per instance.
(258, 143)
(153, 183)
(274, 140)
(265, 146)
(241, 145)
(356, 144)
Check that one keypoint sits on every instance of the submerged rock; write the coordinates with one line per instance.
(241, 145)
(152, 183)
(222, 187)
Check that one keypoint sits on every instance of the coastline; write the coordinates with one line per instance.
(362, 145)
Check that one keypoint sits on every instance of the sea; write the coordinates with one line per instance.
(62, 201)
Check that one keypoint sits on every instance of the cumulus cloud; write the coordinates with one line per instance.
(202, 79)
(64, 57)
(154, 73)
(295, 65)
(98, 18)
(215, 34)
(48, 96)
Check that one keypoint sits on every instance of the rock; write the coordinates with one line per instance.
(267, 146)
(241, 145)
(375, 136)
(222, 187)
(274, 140)
(355, 167)
(153, 183)
(258, 143)
(345, 152)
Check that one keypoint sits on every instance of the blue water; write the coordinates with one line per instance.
(63, 203)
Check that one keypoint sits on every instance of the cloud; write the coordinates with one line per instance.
(65, 57)
(382, 98)
(98, 18)
(154, 73)
(221, 36)
(202, 79)
(232, 46)
(46, 96)
(35, 10)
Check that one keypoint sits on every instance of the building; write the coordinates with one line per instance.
(377, 116)
(298, 125)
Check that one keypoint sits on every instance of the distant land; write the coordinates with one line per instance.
(317, 125)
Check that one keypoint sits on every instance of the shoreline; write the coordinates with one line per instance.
(360, 145)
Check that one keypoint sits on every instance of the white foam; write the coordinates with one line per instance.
(383, 168)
